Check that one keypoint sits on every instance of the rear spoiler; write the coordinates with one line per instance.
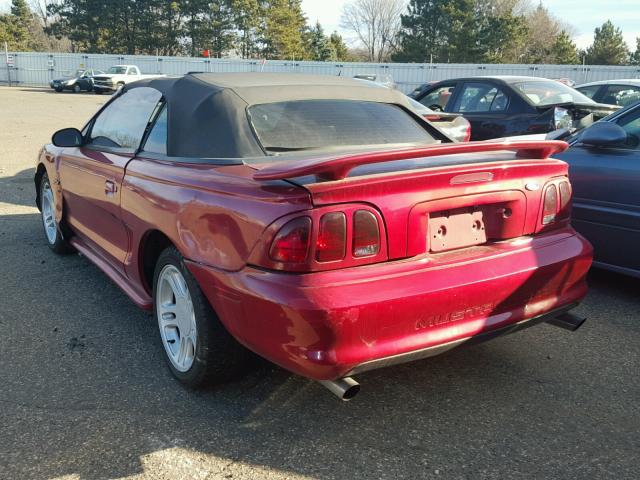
(338, 167)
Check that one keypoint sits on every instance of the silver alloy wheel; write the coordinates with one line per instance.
(48, 212)
(176, 318)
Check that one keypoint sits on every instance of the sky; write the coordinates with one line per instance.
(583, 15)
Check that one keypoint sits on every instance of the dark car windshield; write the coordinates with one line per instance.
(318, 124)
(549, 92)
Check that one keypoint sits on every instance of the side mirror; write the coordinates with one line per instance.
(67, 137)
(603, 134)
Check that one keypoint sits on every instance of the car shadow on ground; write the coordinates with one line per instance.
(18, 189)
(85, 392)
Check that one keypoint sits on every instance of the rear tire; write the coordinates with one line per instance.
(199, 350)
(52, 232)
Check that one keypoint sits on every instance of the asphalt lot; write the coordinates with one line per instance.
(84, 392)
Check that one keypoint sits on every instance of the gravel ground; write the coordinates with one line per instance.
(84, 392)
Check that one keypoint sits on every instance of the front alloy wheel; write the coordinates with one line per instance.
(52, 231)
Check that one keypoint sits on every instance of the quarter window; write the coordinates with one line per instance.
(479, 97)
(438, 98)
(157, 139)
(589, 91)
(123, 122)
(621, 95)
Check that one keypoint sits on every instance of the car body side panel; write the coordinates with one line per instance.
(606, 205)
(212, 214)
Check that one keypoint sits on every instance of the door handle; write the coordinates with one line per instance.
(110, 187)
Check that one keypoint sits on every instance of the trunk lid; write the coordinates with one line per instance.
(439, 198)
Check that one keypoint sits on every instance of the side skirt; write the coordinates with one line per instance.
(140, 297)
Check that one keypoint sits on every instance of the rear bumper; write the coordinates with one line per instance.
(325, 325)
(105, 88)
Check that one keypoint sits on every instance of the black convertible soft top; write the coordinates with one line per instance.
(207, 112)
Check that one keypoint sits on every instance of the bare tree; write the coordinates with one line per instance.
(376, 24)
(41, 10)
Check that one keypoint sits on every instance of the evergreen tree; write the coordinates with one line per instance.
(635, 56)
(608, 46)
(284, 27)
(503, 38)
(341, 53)
(320, 46)
(460, 31)
(20, 10)
(564, 51)
(219, 29)
(424, 32)
(14, 27)
(247, 20)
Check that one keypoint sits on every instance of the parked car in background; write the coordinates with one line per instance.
(614, 92)
(604, 169)
(81, 81)
(506, 106)
(313, 220)
(117, 77)
(417, 92)
(567, 81)
(382, 79)
(455, 126)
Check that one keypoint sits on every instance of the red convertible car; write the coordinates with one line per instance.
(315, 221)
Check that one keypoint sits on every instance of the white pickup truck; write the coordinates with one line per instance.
(117, 76)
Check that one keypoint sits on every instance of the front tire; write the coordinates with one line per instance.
(198, 348)
(52, 233)
(76, 88)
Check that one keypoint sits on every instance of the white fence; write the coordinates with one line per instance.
(37, 69)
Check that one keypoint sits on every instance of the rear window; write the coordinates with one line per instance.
(318, 124)
(549, 92)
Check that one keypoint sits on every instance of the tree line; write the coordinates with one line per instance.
(246, 28)
(499, 31)
(438, 31)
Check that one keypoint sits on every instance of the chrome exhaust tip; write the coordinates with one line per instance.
(344, 388)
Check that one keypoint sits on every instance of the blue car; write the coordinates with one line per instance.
(604, 168)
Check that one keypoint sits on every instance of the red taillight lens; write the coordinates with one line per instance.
(366, 234)
(565, 199)
(467, 135)
(331, 243)
(550, 207)
(291, 244)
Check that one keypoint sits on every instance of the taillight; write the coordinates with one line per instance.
(366, 234)
(323, 238)
(291, 244)
(550, 206)
(331, 242)
(565, 199)
(467, 135)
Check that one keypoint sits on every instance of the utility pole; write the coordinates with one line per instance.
(6, 62)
